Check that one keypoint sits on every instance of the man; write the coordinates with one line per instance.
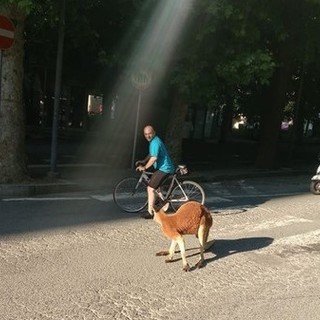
(158, 158)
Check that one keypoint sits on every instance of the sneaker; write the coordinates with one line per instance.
(147, 216)
(160, 204)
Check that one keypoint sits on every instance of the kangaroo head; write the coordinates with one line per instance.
(157, 214)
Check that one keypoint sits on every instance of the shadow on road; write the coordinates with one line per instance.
(226, 247)
(37, 216)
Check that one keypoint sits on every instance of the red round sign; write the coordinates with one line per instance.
(6, 32)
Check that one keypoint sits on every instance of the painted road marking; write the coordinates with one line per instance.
(109, 197)
(47, 199)
(105, 198)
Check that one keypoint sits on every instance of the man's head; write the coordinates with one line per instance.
(149, 133)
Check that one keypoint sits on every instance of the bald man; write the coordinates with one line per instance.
(158, 158)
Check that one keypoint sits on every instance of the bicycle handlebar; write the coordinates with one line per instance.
(181, 168)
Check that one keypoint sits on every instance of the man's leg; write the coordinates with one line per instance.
(154, 183)
(151, 199)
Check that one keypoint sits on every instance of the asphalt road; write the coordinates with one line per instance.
(76, 256)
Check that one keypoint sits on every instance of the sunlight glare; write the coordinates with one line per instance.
(152, 55)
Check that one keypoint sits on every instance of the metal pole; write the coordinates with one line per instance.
(55, 121)
(136, 131)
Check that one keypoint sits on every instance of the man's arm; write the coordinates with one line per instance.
(149, 164)
(142, 162)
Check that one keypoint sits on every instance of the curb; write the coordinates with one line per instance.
(32, 189)
(246, 175)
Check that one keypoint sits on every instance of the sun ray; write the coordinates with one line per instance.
(152, 55)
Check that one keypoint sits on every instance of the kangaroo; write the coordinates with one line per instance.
(191, 218)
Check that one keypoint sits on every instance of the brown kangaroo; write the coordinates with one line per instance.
(191, 218)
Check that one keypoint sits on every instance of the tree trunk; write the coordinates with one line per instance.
(226, 125)
(268, 154)
(271, 119)
(12, 123)
(174, 130)
(297, 127)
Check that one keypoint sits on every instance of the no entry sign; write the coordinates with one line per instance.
(6, 32)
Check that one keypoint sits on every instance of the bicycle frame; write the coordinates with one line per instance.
(145, 177)
(130, 193)
(175, 182)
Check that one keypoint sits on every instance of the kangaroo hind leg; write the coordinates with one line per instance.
(181, 244)
(202, 236)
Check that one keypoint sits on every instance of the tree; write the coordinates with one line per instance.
(41, 19)
(243, 55)
(220, 57)
(12, 133)
(248, 48)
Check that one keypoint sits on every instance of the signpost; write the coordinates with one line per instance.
(141, 81)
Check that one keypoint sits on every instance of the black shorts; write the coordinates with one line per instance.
(157, 178)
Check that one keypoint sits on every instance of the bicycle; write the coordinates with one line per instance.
(130, 194)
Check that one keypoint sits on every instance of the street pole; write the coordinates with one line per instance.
(55, 122)
(136, 131)
(141, 81)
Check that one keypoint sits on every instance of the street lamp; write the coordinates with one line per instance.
(57, 91)
(141, 81)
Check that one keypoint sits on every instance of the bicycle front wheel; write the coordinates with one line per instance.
(130, 195)
(186, 191)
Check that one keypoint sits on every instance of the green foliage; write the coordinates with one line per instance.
(230, 48)
(234, 47)
(24, 5)
(227, 51)
(93, 33)
(247, 67)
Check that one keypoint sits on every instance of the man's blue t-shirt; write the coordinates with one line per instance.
(157, 149)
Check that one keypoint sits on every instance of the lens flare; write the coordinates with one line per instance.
(145, 71)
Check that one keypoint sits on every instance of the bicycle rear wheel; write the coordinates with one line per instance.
(186, 191)
(130, 195)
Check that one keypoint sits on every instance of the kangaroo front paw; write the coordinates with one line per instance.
(186, 267)
(162, 253)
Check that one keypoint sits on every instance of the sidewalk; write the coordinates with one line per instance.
(83, 164)
(99, 177)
